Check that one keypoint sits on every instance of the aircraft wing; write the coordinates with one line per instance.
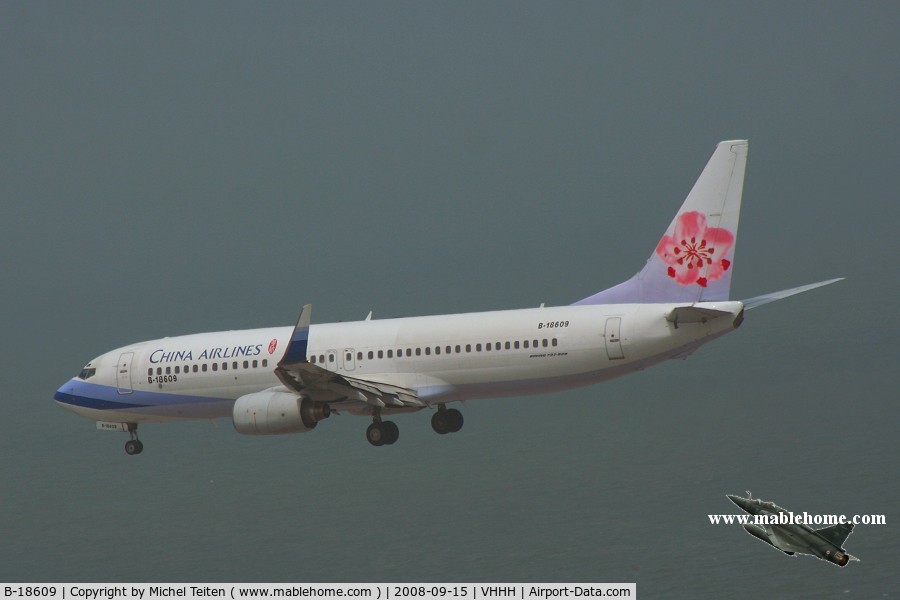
(784, 543)
(299, 375)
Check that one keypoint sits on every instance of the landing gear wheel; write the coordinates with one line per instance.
(391, 432)
(134, 445)
(375, 434)
(440, 422)
(455, 420)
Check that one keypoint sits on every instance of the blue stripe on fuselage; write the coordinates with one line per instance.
(103, 397)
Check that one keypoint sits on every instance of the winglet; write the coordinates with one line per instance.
(772, 297)
(296, 350)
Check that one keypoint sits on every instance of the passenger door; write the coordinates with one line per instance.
(123, 373)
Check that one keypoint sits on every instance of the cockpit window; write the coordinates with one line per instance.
(87, 373)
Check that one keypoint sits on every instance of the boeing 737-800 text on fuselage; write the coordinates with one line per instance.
(287, 379)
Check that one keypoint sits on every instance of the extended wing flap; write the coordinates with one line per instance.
(298, 374)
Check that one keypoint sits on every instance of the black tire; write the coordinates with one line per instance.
(375, 434)
(391, 432)
(133, 447)
(454, 420)
(440, 423)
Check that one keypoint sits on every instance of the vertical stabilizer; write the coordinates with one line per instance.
(694, 259)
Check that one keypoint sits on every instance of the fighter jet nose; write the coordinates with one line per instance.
(740, 502)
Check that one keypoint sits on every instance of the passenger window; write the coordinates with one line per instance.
(159, 370)
(390, 354)
(526, 343)
(448, 349)
(468, 347)
(321, 358)
(545, 342)
(487, 347)
(265, 362)
(535, 344)
(349, 357)
(204, 367)
(428, 351)
(507, 345)
(477, 347)
(381, 354)
(246, 364)
(553, 342)
(331, 358)
(195, 367)
(234, 365)
(458, 349)
(312, 359)
(516, 344)
(224, 366)
(437, 349)
(215, 366)
(497, 346)
(418, 352)
(255, 364)
(359, 356)
(150, 371)
(409, 351)
(371, 355)
(177, 369)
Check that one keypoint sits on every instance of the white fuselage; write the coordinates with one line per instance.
(443, 358)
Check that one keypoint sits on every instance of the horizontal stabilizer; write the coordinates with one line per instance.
(766, 298)
(694, 314)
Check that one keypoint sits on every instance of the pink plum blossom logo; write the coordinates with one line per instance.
(695, 253)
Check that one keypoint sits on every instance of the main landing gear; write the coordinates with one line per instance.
(382, 433)
(385, 433)
(134, 445)
(446, 420)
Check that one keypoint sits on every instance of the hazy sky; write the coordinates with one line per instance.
(174, 167)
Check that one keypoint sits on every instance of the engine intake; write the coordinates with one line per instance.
(275, 412)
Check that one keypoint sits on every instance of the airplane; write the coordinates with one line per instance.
(287, 379)
(796, 538)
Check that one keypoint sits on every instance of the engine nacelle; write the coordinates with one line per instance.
(272, 412)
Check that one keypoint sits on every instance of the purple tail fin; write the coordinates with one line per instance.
(694, 259)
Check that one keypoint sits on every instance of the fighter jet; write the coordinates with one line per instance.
(791, 537)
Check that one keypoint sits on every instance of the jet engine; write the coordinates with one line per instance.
(837, 557)
(272, 412)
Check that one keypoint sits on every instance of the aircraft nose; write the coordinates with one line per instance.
(740, 502)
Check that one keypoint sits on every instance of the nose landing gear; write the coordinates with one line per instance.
(134, 445)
